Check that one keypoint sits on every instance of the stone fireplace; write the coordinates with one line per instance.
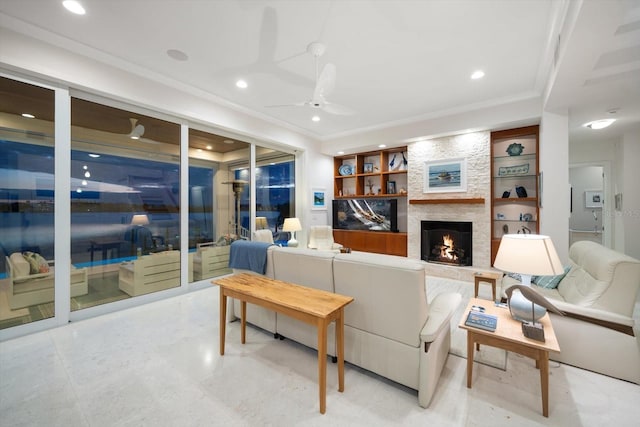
(447, 242)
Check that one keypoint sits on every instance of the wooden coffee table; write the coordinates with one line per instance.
(309, 305)
(508, 336)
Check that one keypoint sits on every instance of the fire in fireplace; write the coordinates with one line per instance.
(447, 242)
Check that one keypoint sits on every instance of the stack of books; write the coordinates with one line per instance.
(481, 320)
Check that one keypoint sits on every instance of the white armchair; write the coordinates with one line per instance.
(321, 237)
(263, 236)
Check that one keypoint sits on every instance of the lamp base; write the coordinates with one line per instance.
(293, 243)
(533, 331)
(523, 310)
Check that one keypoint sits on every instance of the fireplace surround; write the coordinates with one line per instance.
(447, 242)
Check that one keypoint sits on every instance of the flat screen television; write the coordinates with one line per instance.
(366, 214)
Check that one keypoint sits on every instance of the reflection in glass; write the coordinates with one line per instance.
(27, 205)
(125, 202)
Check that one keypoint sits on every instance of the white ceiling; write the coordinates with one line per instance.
(395, 60)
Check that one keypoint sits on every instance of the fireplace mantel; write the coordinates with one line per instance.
(466, 201)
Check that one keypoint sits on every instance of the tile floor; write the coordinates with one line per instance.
(158, 365)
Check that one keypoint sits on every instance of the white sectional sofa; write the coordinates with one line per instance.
(598, 296)
(389, 328)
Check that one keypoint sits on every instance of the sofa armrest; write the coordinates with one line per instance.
(440, 311)
(30, 277)
(594, 315)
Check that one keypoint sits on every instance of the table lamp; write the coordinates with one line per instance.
(140, 220)
(292, 225)
(527, 255)
(261, 223)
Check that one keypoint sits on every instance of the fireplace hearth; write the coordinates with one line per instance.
(446, 242)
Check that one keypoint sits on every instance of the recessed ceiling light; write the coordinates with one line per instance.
(28, 116)
(599, 124)
(340, 152)
(242, 84)
(382, 145)
(478, 74)
(74, 6)
(209, 147)
(95, 156)
(228, 141)
(315, 118)
(178, 55)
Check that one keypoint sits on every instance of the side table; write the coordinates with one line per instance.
(488, 277)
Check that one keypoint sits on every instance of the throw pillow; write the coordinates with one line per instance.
(550, 282)
(37, 263)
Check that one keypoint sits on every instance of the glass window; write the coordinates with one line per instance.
(275, 192)
(26, 203)
(212, 201)
(125, 202)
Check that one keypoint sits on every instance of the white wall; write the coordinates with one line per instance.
(555, 194)
(630, 214)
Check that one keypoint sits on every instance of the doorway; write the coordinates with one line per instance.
(589, 200)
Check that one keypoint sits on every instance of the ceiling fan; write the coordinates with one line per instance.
(325, 83)
(137, 132)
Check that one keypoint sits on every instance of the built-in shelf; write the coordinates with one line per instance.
(465, 201)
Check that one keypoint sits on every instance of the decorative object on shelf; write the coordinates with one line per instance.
(593, 199)
(530, 329)
(527, 217)
(402, 191)
(521, 191)
(513, 170)
(515, 149)
(368, 168)
(499, 215)
(524, 230)
(370, 185)
(445, 176)
(392, 164)
(391, 187)
(527, 255)
(505, 229)
(506, 194)
(291, 225)
(345, 170)
(319, 203)
(405, 163)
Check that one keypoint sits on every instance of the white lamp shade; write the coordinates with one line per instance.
(530, 254)
(291, 224)
(140, 220)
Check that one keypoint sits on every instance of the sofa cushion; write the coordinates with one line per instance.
(550, 282)
(389, 292)
(20, 266)
(37, 263)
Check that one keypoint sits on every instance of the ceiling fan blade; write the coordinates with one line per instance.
(337, 109)
(326, 82)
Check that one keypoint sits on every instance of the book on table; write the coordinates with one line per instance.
(480, 320)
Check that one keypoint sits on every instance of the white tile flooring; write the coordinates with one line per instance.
(158, 365)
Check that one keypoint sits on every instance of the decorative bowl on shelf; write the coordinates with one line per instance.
(515, 149)
(345, 170)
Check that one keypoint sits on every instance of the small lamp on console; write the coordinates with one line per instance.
(292, 225)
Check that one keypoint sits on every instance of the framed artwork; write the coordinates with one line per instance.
(368, 168)
(445, 176)
(319, 202)
(593, 199)
(391, 187)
